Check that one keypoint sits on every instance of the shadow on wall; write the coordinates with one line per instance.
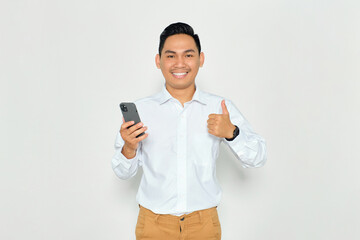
(228, 167)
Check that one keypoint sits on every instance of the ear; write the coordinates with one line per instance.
(202, 59)
(157, 61)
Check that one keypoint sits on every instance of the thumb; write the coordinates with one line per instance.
(224, 108)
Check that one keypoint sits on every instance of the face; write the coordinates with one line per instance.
(180, 61)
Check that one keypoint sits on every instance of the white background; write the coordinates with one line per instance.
(291, 67)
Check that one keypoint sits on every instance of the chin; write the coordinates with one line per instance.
(179, 83)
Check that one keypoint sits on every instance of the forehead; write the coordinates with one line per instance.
(179, 42)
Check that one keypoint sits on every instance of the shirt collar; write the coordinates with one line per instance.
(198, 95)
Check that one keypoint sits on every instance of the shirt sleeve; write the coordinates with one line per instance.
(123, 167)
(248, 147)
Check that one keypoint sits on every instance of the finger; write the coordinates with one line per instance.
(211, 132)
(138, 132)
(132, 129)
(211, 120)
(224, 108)
(127, 124)
(213, 115)
(142, 137)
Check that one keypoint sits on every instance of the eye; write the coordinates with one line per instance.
(170, 56)
(189, 55)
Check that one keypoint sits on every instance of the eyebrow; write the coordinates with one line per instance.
(172, 52)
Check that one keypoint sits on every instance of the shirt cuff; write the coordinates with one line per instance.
(247, 148)
(122, 156)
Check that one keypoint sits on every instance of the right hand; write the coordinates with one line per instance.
(129, 135)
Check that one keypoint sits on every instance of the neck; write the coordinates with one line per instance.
(182, 94)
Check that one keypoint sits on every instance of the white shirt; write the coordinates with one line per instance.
(179, 155)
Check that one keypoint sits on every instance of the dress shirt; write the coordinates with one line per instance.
(179, 155)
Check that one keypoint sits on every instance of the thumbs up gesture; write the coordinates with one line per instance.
(220, 125)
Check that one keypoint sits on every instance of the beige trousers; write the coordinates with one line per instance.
(198, 225)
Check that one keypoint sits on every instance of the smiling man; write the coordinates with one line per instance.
(179, 59)
(179, 192)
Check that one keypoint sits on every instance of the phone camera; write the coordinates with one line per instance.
(124, 108)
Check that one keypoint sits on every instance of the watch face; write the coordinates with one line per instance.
(236, 131)
(235, 134)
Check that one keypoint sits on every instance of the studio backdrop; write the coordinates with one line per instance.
(290, 67)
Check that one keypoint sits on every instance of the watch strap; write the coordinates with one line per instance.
(235, 134)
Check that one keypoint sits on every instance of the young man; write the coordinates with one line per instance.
(179, 193)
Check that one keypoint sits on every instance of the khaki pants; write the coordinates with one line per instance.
(198, 225)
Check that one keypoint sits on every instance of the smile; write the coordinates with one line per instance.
(180, 75)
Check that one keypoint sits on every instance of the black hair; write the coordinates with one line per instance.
(178, 28)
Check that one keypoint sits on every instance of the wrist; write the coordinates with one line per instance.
(231, 131)
(235, 134)
(128, 152)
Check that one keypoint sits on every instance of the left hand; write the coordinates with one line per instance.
(220, 125)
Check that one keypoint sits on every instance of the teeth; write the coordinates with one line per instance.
(179, 74)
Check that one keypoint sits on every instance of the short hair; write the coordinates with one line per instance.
(178, 28)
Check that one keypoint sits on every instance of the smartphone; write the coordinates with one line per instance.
(130, 113)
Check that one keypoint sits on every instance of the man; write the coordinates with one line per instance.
(179, 193)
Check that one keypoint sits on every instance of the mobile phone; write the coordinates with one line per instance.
(130, 113)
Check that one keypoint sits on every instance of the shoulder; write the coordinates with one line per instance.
(213, 99)
(149, 100)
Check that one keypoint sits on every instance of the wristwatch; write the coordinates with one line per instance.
(235, 134)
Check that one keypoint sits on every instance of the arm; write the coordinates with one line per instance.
(126, 159)
(248, 147)
(125, 167)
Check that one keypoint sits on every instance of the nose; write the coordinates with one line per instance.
(180, 62)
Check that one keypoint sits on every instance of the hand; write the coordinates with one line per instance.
(220, 125)
(130, 139)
